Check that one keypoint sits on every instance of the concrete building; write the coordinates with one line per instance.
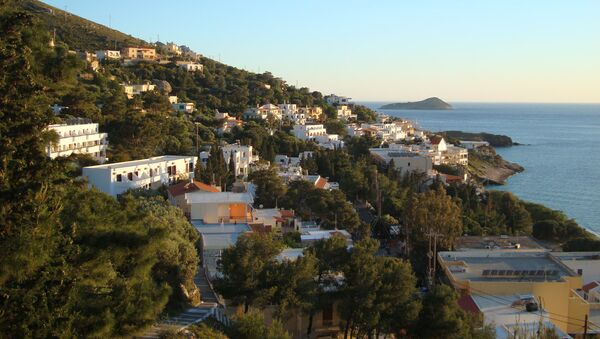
(507, 275)
(191, 66)
(186, 107)
(263, 112)
(173, 48)
(108, 54)
(139, 53)
(131, 90)
(404, 161)
(292, 113)
(176, 193)
(221, 207)
(243, 156)
(344, 112)
(309, 132)
(79, 136)
(151, 173)
(333, 99)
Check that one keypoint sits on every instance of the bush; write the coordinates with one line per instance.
(582, 245)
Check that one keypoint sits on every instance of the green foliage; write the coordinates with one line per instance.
(269, 187)
(581, 245)
(364, 114)
(251, 325)
(441, 317)
(215, 171)
(336, 127)
(331, 208)
(245, 267)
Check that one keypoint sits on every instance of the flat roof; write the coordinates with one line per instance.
(500, 242)
(290, 254)
(218, 197)
(321, 234)
(148, 161)
(488, 265)
(219, 236)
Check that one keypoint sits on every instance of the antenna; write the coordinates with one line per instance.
(109, 21)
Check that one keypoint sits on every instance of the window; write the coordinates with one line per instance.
(151, 172)
(137, 174)
(119, 178)
(579, 272)
(191, 167)
(130, 176)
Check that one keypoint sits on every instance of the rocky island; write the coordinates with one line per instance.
(433, 103)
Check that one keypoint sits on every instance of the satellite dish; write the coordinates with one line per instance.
(261, 205)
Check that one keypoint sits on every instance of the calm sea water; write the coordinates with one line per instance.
(561, 154)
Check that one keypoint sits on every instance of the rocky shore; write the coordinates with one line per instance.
(490, 168)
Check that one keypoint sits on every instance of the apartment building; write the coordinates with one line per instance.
(151, 173)
(79, 136)
(309, 132)
(313, 113)
(292, 113)
(242, 156)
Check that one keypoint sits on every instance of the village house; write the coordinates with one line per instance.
(242, 156)
(173, 48)
(345, 113)
(313, 113)
(386, 131)
(291, 113)
(186, 107)
(473, 144)
(404, 161)
(78, 136)
(151, 173)
(190, 66)
(333, 99)
(176, 193)
(108, 54)
(137, 89)
(263, 112)
(138, 53)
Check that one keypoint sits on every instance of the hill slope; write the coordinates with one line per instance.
(77, 32)
(433, 103)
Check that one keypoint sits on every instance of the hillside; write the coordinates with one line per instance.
(77, 32)
(495, 140)
(433, 103)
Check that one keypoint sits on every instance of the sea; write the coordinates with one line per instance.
(560, 149)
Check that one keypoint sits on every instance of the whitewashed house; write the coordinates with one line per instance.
(344, 112)
(108, 54)
(292, 113)
(173, 48)
(243, 157)
(186, 107)
(191, 66)
(404, 161)
(309, 132)
(151, 173)
(263, 112)
(79, 136)
(137, 89)
(333, 99)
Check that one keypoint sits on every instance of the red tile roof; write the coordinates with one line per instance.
(286, 213)
(467, 303)
(590, 286)
(187, 187)
(452, 178)
(435, 140)
(321, 182)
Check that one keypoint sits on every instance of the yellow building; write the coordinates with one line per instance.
(504, 275)
(138, 53)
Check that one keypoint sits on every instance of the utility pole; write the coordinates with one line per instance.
(197, 147)
(432, 256)
(585, 327)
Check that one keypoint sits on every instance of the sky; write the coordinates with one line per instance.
(460, 50)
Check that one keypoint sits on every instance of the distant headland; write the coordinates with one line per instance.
(429, 103)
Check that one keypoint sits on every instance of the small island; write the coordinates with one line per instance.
(427, 104)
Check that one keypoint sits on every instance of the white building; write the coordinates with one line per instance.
(345, 113)
(473, 144)
(191, 66)
(387, 131)
(173, 48)
(309, 237)
(108, 54)
(263, 112)
(309, 132)
(151, 173)
(292, 113)
(242, 156)
(187, 107)
(78, 136)
(131, 90)
(313, 113)
(404, 161)
(333, 99)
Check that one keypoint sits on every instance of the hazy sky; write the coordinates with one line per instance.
(491, 51)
